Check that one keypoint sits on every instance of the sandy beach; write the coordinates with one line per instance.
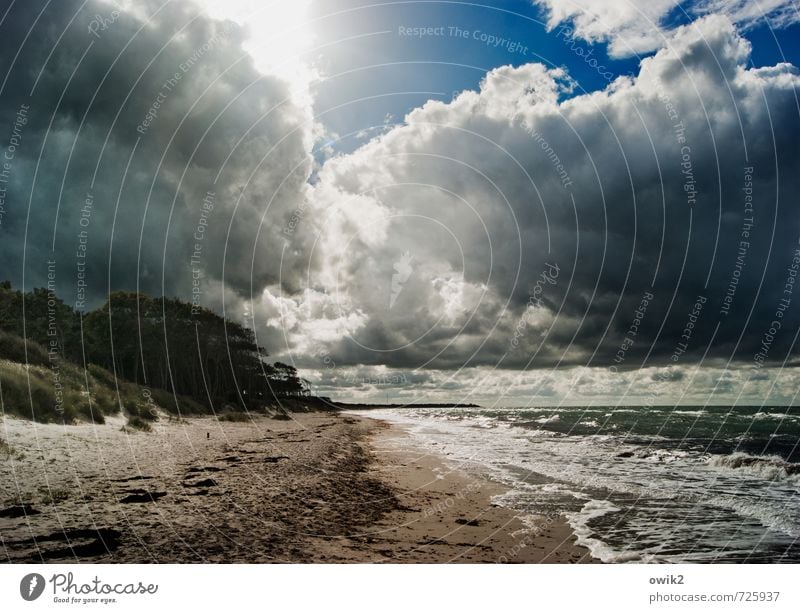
(320, 487)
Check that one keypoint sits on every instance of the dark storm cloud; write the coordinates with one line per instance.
(156, 104)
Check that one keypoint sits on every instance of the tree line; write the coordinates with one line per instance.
(160, 343)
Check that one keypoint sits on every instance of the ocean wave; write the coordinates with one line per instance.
(655, 455)
(483, 421)
(762, 415)
(586, 537)
(781, 519)
(772, 468)
(663, 497)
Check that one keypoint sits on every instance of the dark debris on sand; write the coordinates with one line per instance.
(294, 499)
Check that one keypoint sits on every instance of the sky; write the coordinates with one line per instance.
(508, 203)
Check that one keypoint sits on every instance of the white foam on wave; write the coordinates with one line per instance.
(770, 467)
(784, 520)
(585, 535)
(761, 415)
(662, 456)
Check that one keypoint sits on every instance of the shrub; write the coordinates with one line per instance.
(234, 416)
(8, 452)
(12, 347)
(182, 405)
(53, 495)
(27, 393)
(137, 423)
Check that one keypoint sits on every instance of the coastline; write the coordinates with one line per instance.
(448, 515)
(318, 488)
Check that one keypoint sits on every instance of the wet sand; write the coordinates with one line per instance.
(318, 488)
(448, 515)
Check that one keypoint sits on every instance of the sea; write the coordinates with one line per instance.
(636, 484)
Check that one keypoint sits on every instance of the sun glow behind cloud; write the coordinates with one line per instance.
(279, 36)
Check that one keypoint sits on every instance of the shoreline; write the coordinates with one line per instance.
(318, 488)
(450, 514)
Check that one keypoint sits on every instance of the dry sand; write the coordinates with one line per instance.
(317, 488)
